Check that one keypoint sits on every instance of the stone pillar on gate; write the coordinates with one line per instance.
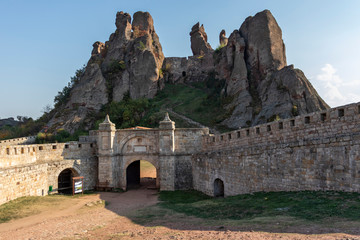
(166, 154)
(106, 138)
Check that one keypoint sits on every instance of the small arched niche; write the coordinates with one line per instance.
(218, 188)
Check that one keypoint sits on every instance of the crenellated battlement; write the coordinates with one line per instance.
(316, 151)
(14, 155)
(321, 125)
(22, 140)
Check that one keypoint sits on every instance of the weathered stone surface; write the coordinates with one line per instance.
(286, 90)
(98, 48)
(198, 39)
(141, 53)
(265, 48)
(316, 151)
(86, 96)
(129, 62)
(251, 61)
(222, 38)
(282, 94)
(123, 25)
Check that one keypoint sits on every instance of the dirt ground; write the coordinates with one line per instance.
(86, 217)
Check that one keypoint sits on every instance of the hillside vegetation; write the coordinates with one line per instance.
(200, 102)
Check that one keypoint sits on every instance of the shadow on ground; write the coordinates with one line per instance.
(140, 206)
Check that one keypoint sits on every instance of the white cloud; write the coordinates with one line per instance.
(334, 90)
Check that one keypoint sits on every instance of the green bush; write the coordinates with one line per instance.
(62, 97)
(141, 46)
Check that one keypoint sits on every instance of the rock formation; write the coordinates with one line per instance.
(251, 63)
(265, 48)
(222, 38)
(198, 39)
(128, 63)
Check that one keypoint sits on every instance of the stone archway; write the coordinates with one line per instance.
(65, 180)
(218, 188)
(137, 175)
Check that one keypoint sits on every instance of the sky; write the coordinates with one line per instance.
(44, 42)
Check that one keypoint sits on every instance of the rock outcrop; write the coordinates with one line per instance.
(198, 39)
(222, 38)
(252, 61)
(250, 65)
(129, 62)
(265, 49)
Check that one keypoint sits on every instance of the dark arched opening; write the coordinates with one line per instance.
(218, 188)
(65, 181)
(141, 174)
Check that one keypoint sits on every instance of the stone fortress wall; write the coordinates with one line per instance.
(29, 170)
(167, 148)
(317, 151)
(22, 140)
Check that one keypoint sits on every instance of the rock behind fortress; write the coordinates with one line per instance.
(252, 62)
(128, 63)
(258, 85)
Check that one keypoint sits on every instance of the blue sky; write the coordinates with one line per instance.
(44, 42)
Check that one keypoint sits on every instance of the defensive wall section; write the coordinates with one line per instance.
(29, 170)
(167, 148)
(22, 140)
(317, 151)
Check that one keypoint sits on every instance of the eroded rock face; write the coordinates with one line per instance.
(98, 48)
(251, 63)
(222, 38)
(265, 48)
(123, 25)
(129, 62)
(198, 39)
(86, 97)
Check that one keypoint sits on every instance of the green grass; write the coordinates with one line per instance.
(199, 103)
(26, 206)
(307, 205)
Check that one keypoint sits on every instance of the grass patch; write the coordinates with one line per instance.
(201, 103)
(307, 205)
(27, 206)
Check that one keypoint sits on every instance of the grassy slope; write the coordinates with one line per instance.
(306, 205)
(200, 103)
(197, 103)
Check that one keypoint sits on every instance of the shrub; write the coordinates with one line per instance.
(217, 50)
(141, 46)
(294, 110)
(116, 66)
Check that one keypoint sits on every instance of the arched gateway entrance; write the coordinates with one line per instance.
(65, 180)
(141, 173)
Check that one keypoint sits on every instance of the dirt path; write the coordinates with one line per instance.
(73, 217)
(85, 218)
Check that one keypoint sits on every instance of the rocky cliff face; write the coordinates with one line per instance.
(258, 84)
(128, 63)
(252, 62)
